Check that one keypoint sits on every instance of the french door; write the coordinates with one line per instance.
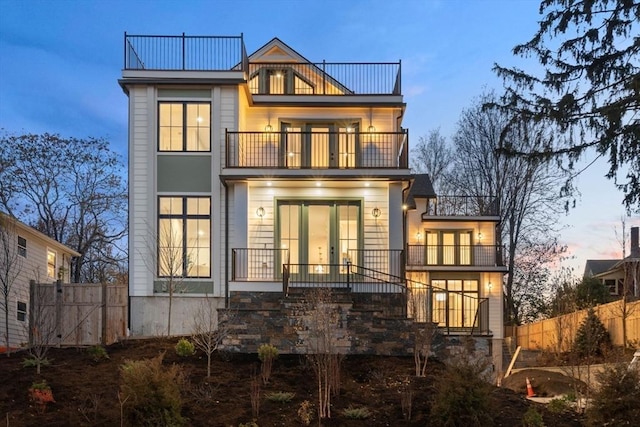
(320, 145)
(320, 236)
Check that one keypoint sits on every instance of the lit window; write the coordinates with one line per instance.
(22, 246)
(184, 237)
(184, 126)
(51, 264)
(22, 311)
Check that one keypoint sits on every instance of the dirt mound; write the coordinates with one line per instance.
(544, 383)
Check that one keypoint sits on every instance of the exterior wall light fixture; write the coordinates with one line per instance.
(260, 212)
(376, 212)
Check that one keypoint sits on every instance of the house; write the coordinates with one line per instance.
(267, 173)
(26, 254)
(619, 275)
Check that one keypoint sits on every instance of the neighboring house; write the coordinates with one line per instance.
(266, 173)
(619, 274)
(27, 254)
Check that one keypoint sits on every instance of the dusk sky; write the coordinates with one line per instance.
(60, 61)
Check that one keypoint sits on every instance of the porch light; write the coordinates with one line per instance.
(318, 184)
(376, 212)
(260, 212)
(419, 237)
(489, 286)
(480, 236)
(349, 129)
(268, 128)
(371, 128)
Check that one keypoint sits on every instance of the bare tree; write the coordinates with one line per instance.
(210, 328)
(433, 156)
(10, 268)
(322, 349)
(71, 189)
(165, 259)
(42, 321)
(526, 191)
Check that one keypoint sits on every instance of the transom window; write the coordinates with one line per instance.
(22, 246)
(184, 237)
(279, 81)
(184, 126)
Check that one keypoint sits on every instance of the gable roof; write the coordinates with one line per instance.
(421, 187)
(28, 229)
(594, 267)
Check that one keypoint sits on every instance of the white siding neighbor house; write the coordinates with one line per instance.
(254, 175)
(26, 254)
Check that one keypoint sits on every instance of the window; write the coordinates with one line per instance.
(279, 81)
(22, 311)
(184, 237)
(22, 246)
(455, 302)
(184, 126)
(51, 264)
(448, 247)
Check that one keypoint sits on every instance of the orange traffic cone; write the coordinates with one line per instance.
(530, 392)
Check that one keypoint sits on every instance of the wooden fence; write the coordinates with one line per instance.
(559, 332)
(78, 314)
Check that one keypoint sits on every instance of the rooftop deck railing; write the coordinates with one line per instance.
(184, 53)
(325, 78)
(317, 150)
(454, 255)
(446, 205)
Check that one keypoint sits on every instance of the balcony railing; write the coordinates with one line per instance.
(184, 53)
(325, 78)
(257, 264)
(462, 206)
(455, 255)
(317, 150)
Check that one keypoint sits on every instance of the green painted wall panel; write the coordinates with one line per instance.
(184, 174)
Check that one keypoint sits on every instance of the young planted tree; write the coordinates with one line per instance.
(10, 268)
(586, 92)
(42, 322)
(210, 328)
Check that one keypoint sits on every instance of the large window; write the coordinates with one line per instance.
(184, 126)
(455, 302)
(184, 237)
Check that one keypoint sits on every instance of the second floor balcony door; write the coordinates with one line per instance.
(320, 145)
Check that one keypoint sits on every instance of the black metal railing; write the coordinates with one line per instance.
(257, 264)
(462, 206)
(184, 53)
(455, 255)
(317, 150)
(325, 78)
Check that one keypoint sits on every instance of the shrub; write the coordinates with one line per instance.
(357, 413)
(305, 412)
(532, 418)
(97, 353)
(616, 401)
(40, 393)
(32, 362)
(266, 353)
(560, 404)
(152, 392)
(462, 396)
(185, 348)
(592, 337)
(280, 396)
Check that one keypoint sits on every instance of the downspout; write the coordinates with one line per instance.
(226, 244)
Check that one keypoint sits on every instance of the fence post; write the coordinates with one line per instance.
(32, 304)
(58, 305)
(105, 315)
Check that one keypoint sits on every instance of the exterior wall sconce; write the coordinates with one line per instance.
(260, 212)
(419, 237)
(376, 212)
(268, 128)
(489, 286)
(371, 128)
(480, 236)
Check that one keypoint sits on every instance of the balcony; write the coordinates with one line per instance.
(454, 256)
(325, 78)
(317, 150)
(184, 53)
(462, 206)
